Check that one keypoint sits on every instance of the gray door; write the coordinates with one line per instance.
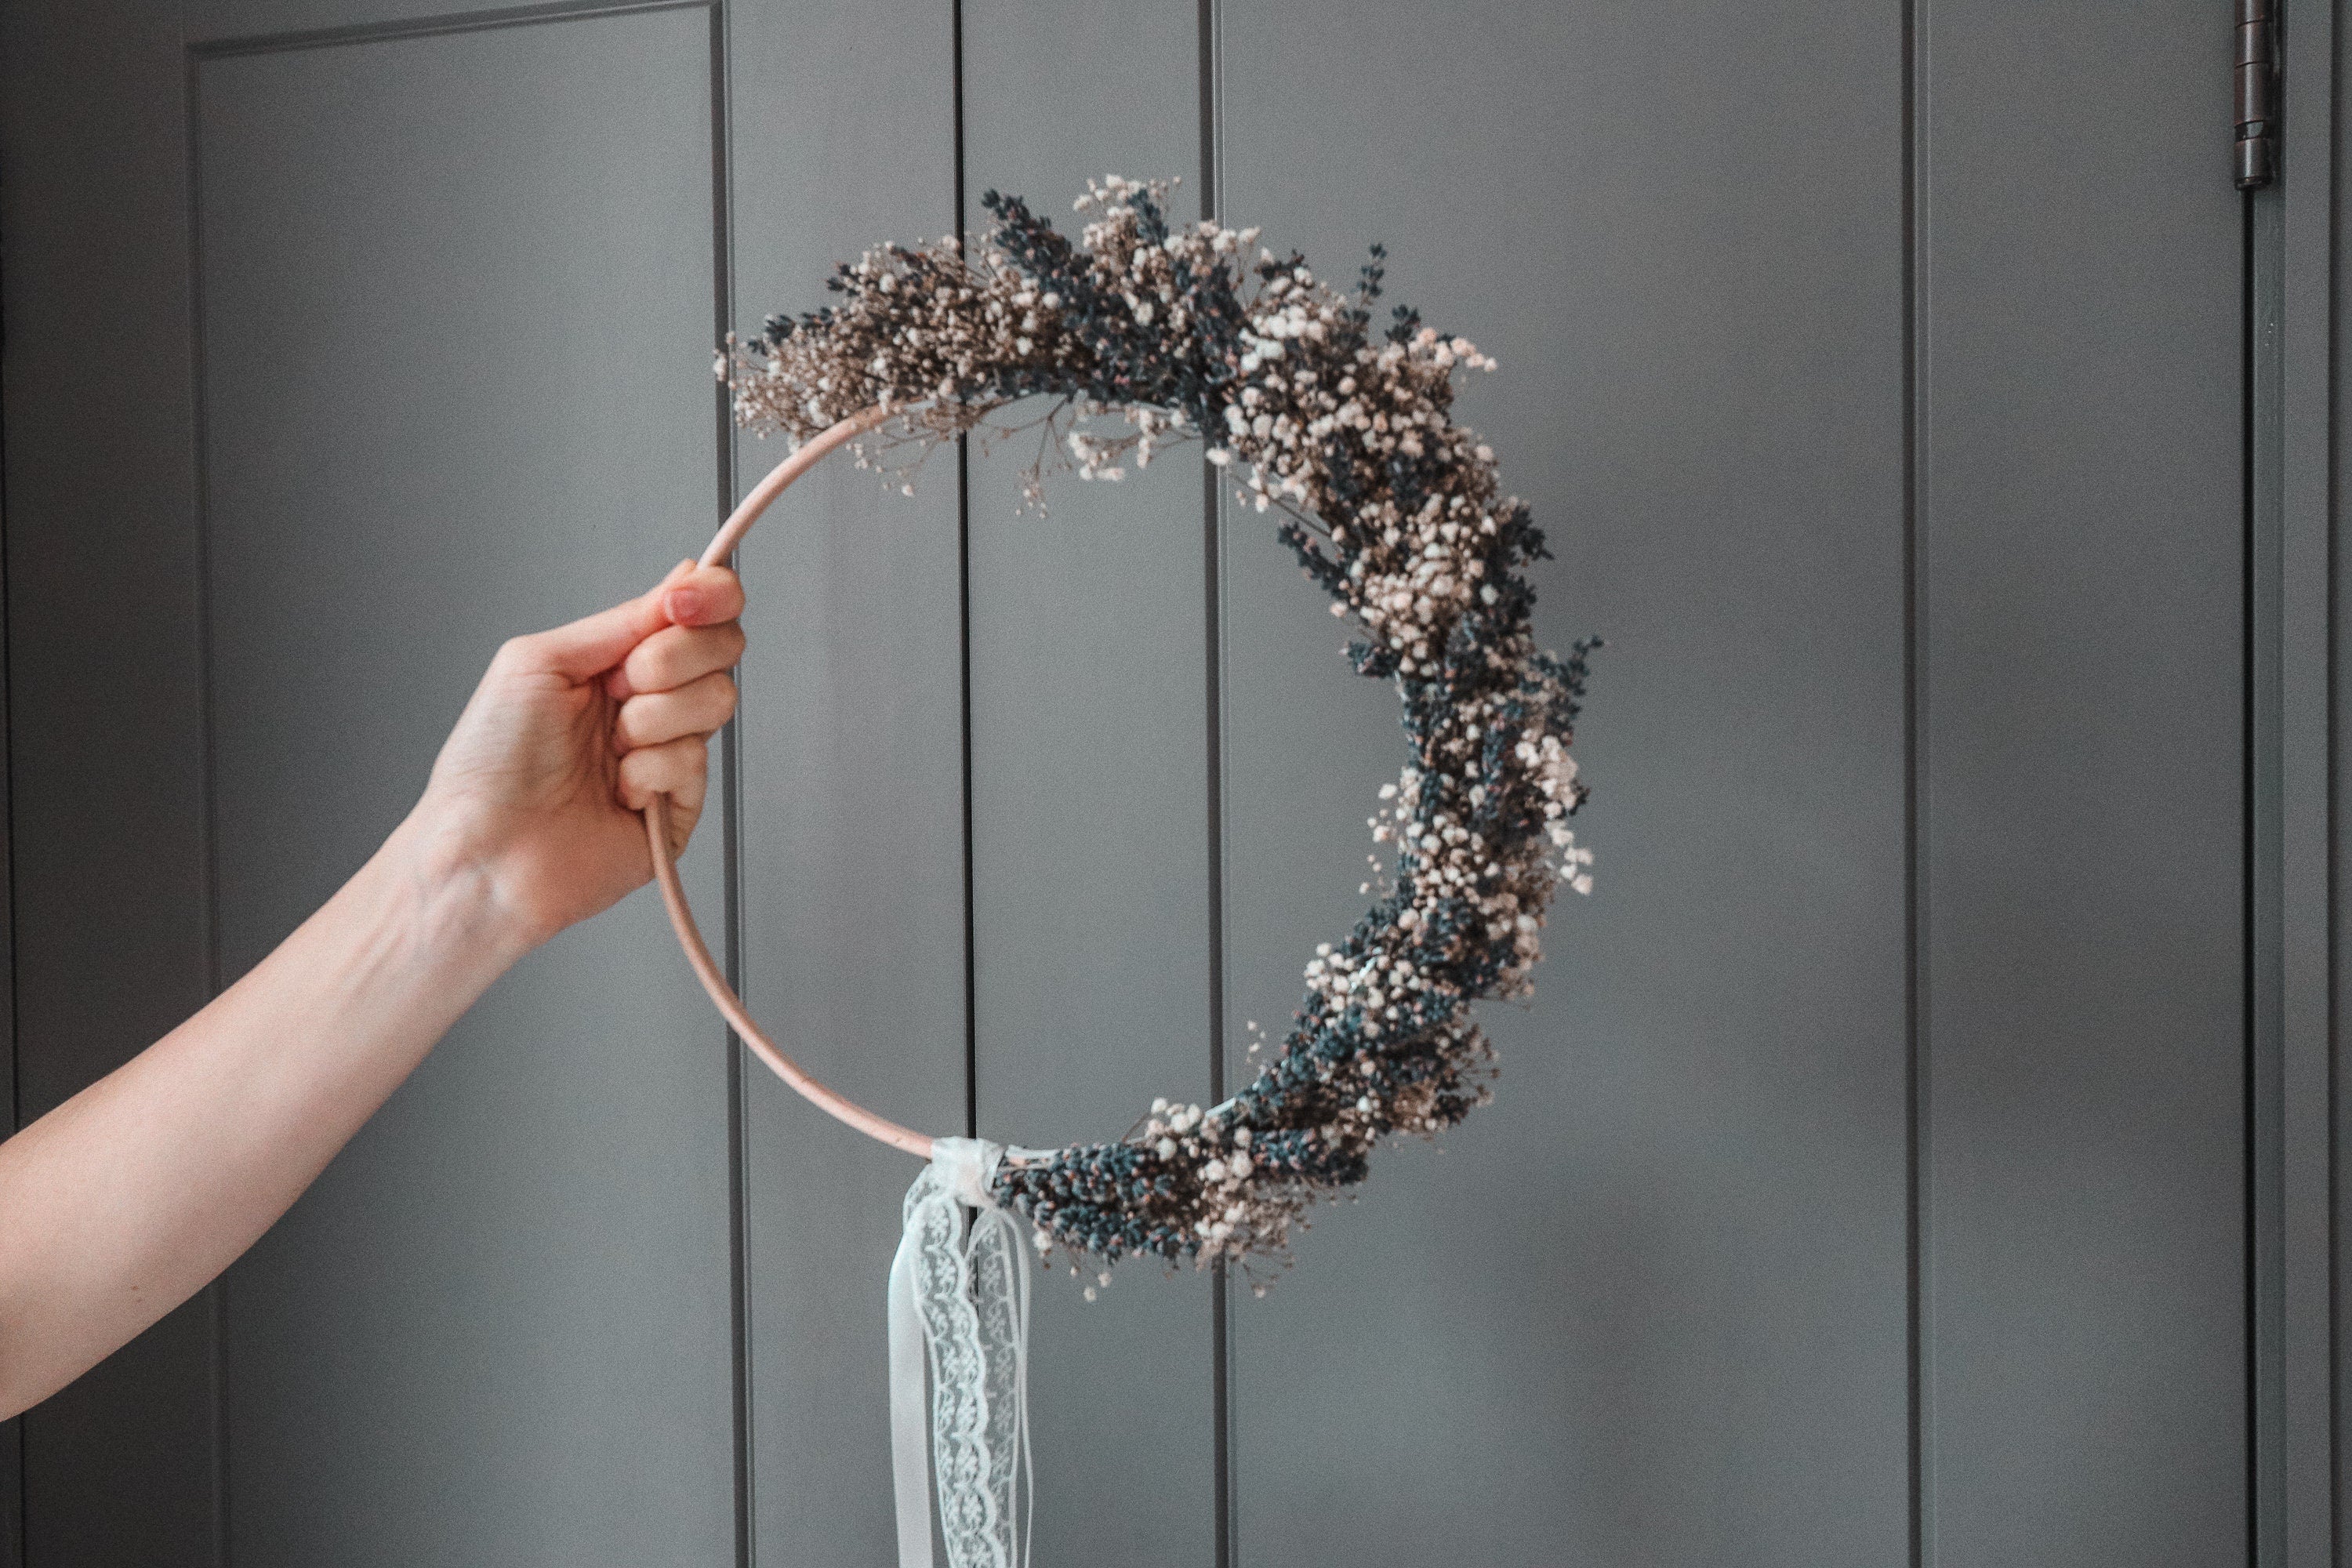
(1875, 1178)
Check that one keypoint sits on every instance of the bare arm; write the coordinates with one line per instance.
(130, 1197)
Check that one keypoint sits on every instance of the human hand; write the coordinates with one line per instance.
(538, 790)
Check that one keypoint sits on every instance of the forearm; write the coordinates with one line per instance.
(127, 1199)
(130, 1197)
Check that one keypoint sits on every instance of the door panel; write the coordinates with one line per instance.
(1092, 914)
(1649, 1307)
(106, 736)
(851, 825)
(2082, 534)
(447, 398)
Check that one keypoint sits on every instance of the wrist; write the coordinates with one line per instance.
(452, 892)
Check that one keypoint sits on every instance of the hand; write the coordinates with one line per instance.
(571, 732)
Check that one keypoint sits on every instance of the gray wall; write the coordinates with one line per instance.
(482, 350)
(1921, 1148)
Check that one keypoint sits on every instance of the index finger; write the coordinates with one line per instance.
(703, 597)
(599, 642)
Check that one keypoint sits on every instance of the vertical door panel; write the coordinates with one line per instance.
(106, 737)
(456, 306)
(1089, 802)
(2081, 536)
(852, 804)
(1649, 1307)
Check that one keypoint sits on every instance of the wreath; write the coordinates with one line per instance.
(1391, 507)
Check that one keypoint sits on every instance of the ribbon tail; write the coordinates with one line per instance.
(1023, 1490)
(960, 1313)
(999, 1300)
(1028, 1474)
(910, 1457)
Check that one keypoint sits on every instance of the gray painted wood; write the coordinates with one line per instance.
(2304, 1527)
(498, 1329)
(2308, 1449)
(852, 821)
(12, 1437)
(2083, 529)
(1090, 810)
(221, 21)
(1649, 1306)
(2304, 198)
(12, 1495)
(106, 803)
(2291, 244)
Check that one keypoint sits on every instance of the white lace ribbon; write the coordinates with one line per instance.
(960, 1302)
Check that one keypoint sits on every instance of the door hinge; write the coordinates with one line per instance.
(2257, 93)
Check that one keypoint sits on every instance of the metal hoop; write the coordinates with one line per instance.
(681, 918)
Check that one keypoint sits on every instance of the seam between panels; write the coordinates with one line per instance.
(207, 825)
(13, 1522)
(2249, 913)
(1225, 1544)
(1918, 1129)
(732, 837)
(2329, 784)
(963, 633)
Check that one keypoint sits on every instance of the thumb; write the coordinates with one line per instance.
(594, 644)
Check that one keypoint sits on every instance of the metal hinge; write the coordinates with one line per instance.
(2257, 93)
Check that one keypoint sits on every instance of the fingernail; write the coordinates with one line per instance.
(685, 604)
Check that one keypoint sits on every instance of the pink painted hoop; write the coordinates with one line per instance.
(681, 918)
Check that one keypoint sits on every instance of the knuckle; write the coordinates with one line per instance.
(629, 729)
(649, 663)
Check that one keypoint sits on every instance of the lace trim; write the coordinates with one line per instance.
(970, 1292)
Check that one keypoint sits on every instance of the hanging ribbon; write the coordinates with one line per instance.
(960, 1306)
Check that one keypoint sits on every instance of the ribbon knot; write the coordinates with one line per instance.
(965, 1167)
(960, 1310)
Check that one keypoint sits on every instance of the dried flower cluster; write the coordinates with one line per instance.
(1388, 505)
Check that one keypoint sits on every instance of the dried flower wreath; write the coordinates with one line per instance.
(1388, 505)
